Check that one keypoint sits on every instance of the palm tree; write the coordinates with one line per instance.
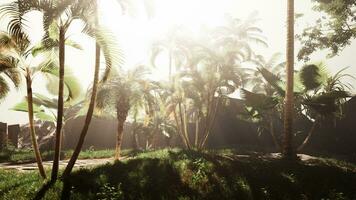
(18, 41)
(113, 57)
(198, 92)
(21, 59)
(212, 66)
(173, 44)
(323, 96)
(237, 36)
(288, 151)
(123, 92)
(262, 109)
(263, 103)
(62, 14)
(318, 98)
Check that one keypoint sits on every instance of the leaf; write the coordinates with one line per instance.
(4, 88)
(72, 89)
(23, 107)
(114, 56)
(272, 79)
(258, 101)
(45, 117)
(41, 100)
(311, 76)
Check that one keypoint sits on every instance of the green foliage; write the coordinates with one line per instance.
(311, 76)
(334, 31)
(107, 192)
(201, 168)
(8, 73)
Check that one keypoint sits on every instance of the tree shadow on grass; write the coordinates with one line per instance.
(43, 190)
(261, 177)
(144, 178)
(196, 175)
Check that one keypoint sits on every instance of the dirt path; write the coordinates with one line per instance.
(94, 162)
(62, 164)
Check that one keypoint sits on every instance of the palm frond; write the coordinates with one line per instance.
(272, 79)
(259, 101)
(14, 75)
(23, 107)
(72, 88)
(42, 100)
(4, 88)
(114, 56)
(311, 76)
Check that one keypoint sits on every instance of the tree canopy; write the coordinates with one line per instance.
(334, 31)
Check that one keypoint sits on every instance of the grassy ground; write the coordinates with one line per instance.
(179, 174)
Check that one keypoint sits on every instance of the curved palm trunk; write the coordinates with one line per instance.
(306, 140)
(196, 139)
(288, 151)
(184, 129)
(122, 110)
(170, 65)
(88, 118)
(211, 121)
(90, 111)
(32, 128)
(180, 131)
(60, 104)
(135, 139)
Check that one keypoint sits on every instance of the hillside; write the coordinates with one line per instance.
(179, 174)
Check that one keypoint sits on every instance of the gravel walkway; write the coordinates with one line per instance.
(62, 164)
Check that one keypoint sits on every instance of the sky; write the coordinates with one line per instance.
(135, 33)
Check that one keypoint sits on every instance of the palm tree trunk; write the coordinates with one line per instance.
(288, 151)
(209, 101)
(120, 131)
(122, 109)
(180, 131)
(135, 140)
(89, 115)
(32, 128)
(274, 138)
(60, 104)
(306, 140)
(197, 130)
(170, 65)
(183, 124)
(211, 122)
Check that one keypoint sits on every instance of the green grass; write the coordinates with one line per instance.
(180, 174)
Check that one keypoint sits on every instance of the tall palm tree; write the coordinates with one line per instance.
(16, 52)
(173, 45)
(62, 14)
(123, 92)
(113, 57)
(288, 151)
(17, 41)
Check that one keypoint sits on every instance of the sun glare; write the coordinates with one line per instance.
(190, 13)
(136, 32)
